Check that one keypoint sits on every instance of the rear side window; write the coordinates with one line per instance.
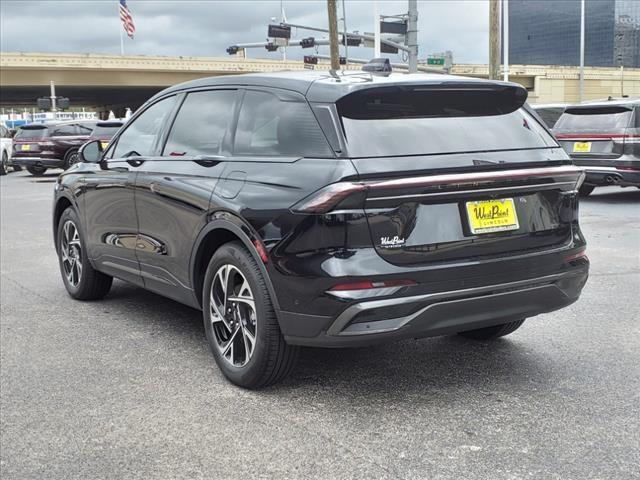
(34, 132)
(85, 128)
(64, 130)
(393, 121)
(270, 126)
(201, 123)
(549, 115)
(140, 137)
(602, 119)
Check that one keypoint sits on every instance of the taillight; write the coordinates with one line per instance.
(582, 253)
(328, 197)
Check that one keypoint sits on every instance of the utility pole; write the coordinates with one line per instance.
(333, 35)
(344, 24)
(582, 51)
(412, 36)
(53, 97)
(494, 39)
(505, 36)
(376, 30)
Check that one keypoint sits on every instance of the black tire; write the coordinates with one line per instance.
(3, 163)
(272, 358)
(91, 284)
(70, 158)
(36, 171)
(491, 333)
(585, 190)
(16, 168)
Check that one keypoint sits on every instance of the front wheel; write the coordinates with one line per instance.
(3, 163)
(36, 170)
(240, 321)
(491, 333)
(80, 279)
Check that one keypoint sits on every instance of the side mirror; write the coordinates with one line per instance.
(91, 152)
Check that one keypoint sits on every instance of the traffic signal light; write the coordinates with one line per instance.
(310, 60)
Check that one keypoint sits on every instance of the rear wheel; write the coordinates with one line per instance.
(496, 331)
(240, 321)
(585, 190)
(36, 170)
(80, 279)
(70, 159)
(3, 163)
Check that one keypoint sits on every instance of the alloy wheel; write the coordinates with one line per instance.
(73, 159)
(71, 252)
(233, 316)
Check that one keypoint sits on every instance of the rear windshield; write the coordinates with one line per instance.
(35, 131)
(594, 118)
(106, 130)
(393, 122)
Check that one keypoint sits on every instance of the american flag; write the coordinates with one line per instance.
(127, 19)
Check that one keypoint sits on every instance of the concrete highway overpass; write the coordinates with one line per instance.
(114, 82)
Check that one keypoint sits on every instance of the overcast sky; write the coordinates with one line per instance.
(207, 27)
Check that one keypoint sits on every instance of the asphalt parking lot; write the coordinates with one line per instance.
(127, 388)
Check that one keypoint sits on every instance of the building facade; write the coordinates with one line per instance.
(547, 32)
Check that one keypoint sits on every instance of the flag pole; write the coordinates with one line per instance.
(121, 37)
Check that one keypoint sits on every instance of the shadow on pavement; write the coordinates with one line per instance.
(442, 364)
(621, 195)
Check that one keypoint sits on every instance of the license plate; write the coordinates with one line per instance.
(25, 148)
(486, 216)
(104, 145)
(582, 147)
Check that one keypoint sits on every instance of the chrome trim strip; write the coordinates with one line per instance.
(398, 323)
(364, 293)
(345, 317)
(602, 169)
(539, 186)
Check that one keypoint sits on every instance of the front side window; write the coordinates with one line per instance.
(140, 137)
(270, 126)
(201, 123)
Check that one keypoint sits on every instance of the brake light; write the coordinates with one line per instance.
(328, 197)
(575, 256)
(371, 285)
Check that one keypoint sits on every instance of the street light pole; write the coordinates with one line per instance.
(494, 39)
(333, 34)
(412, 36)
(505, 37)
(582, 50)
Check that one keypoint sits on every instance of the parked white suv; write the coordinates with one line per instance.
(6, 147)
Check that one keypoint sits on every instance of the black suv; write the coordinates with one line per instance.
(604, 139)
(328, 210)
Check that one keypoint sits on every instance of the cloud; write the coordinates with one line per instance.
(207, 28)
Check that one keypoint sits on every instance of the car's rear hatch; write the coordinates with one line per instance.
(28, 139)
(457, 172)
(597, 132)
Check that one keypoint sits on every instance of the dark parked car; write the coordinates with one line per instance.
(104, 131)
(604, 139)
(331, 211)
(39, 146)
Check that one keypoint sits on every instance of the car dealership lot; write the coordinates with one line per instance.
(127, 388)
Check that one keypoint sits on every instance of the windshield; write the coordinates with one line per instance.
(31, 132)
(379, 124)
(601, 119)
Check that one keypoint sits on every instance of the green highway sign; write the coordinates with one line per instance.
(435, 61)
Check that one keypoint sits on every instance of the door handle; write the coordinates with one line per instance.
(135, 162)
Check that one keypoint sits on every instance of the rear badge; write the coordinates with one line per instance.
(391, 242)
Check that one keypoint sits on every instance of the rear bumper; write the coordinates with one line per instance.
(37, 162)
(601, 176)
(435, 314)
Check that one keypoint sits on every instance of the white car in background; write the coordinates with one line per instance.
(6, 147)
